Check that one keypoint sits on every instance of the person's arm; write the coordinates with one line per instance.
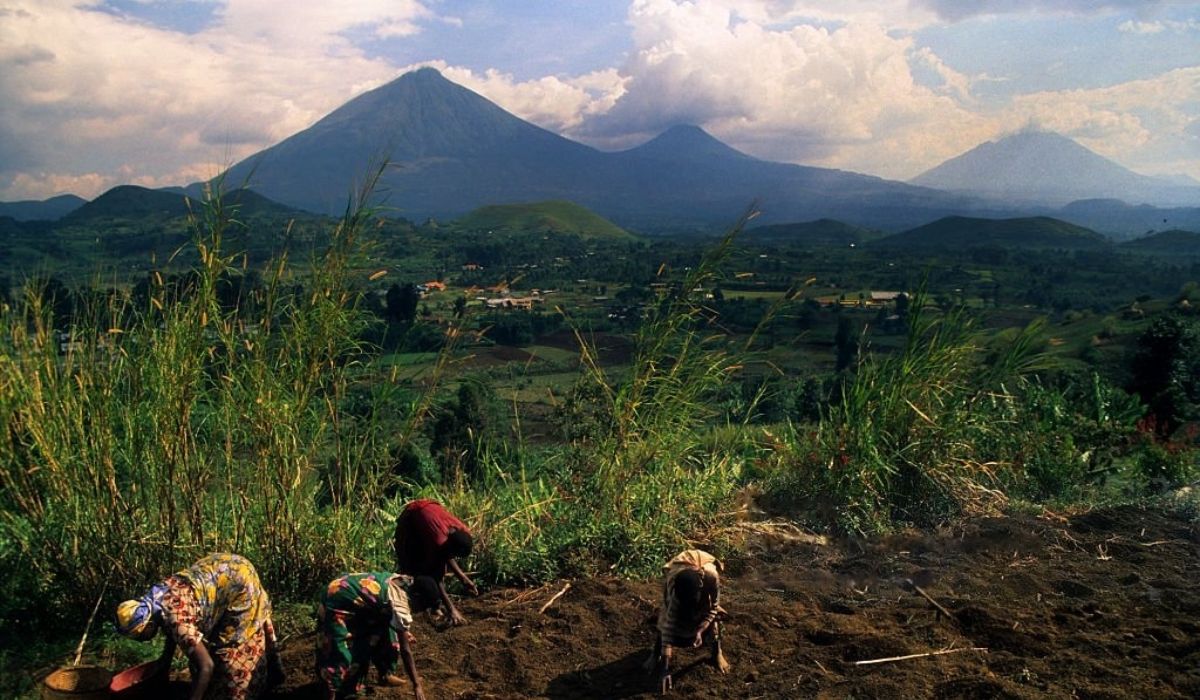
(456, 618)
(202, 665)
(168, 652)
(712, 602)
(462, 576)
(410, 664)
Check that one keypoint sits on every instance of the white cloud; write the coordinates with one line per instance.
(89, 99)
(297, 24)
(1132, 27)
(557, 104)
(41, 185)
(1158, 26)
(843, 97)
(954, 10)
(84, 91)
(1141, 123)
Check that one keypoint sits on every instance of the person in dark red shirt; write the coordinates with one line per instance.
(428, 541)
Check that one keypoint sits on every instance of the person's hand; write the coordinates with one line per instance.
(418, 692)
(457, 619)
(409, 636)
(699, 639)
(472, 589)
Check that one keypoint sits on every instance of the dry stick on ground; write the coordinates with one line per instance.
(919, 656)
(556, 597)
(908, 583)
(522, 597)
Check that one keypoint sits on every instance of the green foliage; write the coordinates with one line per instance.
(189, 426)
(1166, 370)
(556, 217)
(906, 439)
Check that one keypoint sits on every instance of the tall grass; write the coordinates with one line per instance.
(190, 426)
(186, 427)
(913, 437)
(639, 475)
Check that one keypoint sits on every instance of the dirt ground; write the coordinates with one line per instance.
(1102, 605)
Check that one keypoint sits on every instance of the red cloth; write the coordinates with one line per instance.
(421, 533)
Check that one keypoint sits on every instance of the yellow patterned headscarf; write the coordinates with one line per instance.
(139, 618)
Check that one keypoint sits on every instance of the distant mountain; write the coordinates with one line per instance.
(823, 232)
(1040, 167)
(452, 151)
(1174, 242)
(685, 143)
(958, 232)
(541, 217)
(1181, 180)
(41, 210)
(1122, 221)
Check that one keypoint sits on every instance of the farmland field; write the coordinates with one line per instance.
(1100, 604)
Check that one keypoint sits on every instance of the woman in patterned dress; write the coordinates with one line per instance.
(363, 619)
(428, 541)
(217, 612)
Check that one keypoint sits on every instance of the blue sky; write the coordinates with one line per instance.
(95, 93)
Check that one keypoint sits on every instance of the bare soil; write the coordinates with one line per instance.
(1101, 605)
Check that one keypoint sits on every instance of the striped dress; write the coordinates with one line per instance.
(680, 620)
(359, 620)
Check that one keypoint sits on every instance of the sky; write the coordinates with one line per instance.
(98, 93)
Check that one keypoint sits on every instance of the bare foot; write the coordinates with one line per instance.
(721, 664)
(391, 680)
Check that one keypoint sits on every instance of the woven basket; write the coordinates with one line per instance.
(77, 683)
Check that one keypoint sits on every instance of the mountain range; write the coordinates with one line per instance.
(450, 151)
(41, 210)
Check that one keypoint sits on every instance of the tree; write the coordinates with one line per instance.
(55, 296)
(402, 302)
(1166, 370)
(460, 428)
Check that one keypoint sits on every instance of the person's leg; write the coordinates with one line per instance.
(718, 656)
(240, 672)
(651, 662)
(335, 665)
(664, 668)
(385, 656)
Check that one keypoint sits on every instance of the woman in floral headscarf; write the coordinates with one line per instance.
(364, 619)
(217, 612)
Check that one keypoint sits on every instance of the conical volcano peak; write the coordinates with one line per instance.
(686, 142)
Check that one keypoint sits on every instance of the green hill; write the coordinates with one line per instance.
(822, 232)
(128, 201)
(957, 232)
(133, 202)
(556, 216)
(1174, 242)
(131, 228)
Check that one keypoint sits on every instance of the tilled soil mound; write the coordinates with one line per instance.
(1102, 605)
